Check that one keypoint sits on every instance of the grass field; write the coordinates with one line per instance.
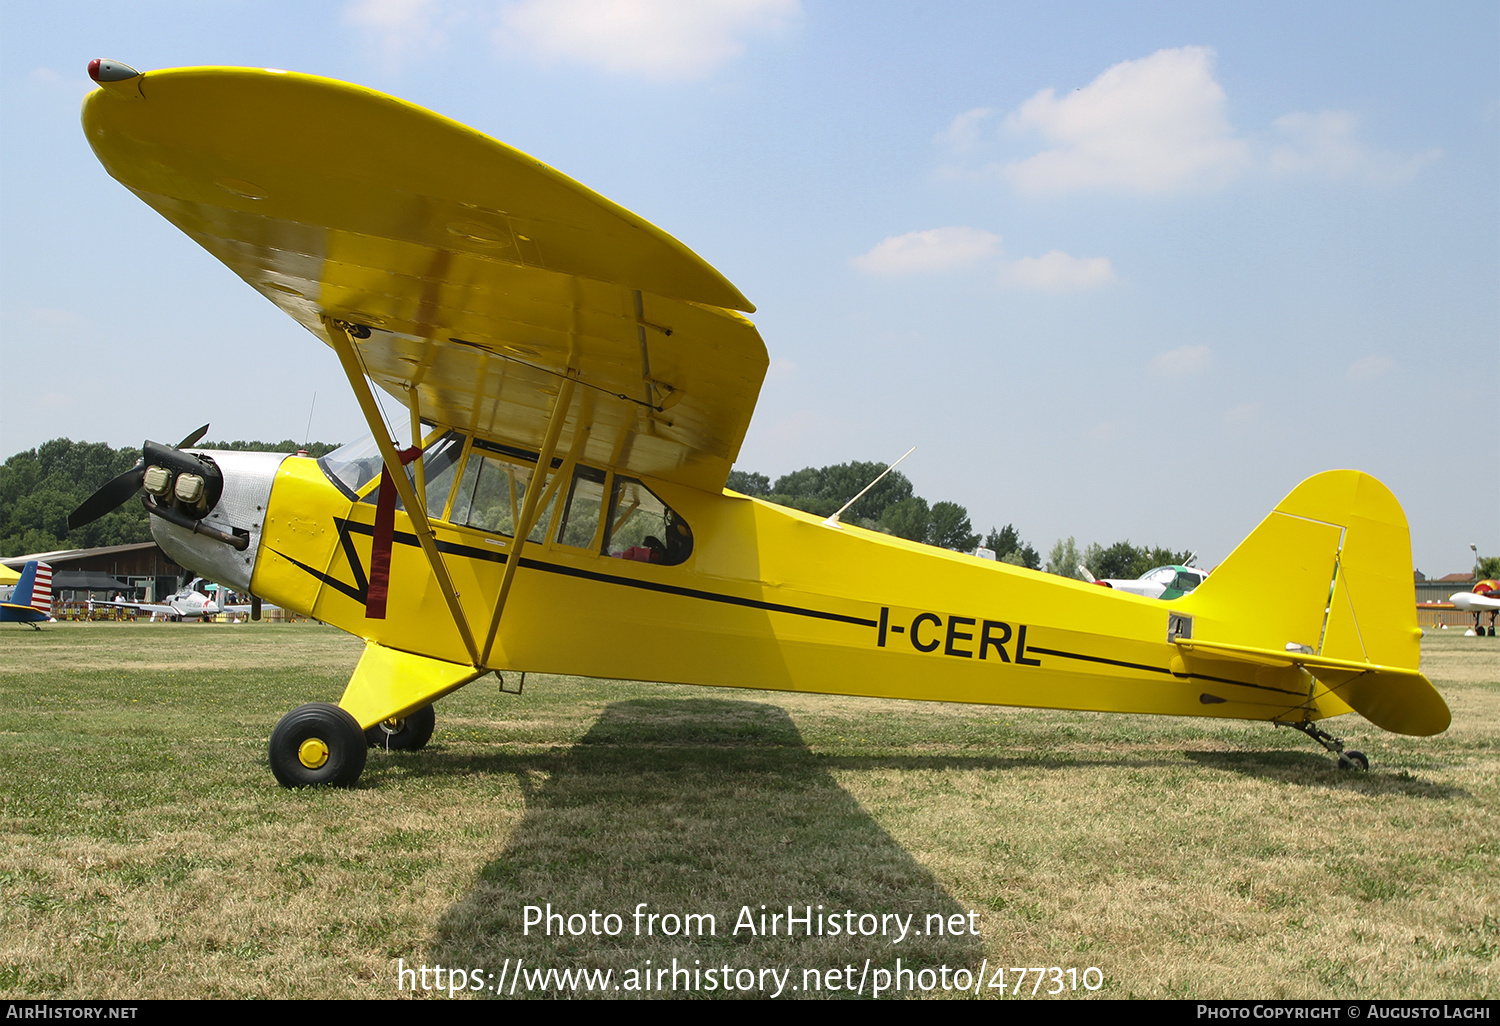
(147, 852)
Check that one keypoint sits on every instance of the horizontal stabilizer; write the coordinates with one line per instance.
(1399, 700)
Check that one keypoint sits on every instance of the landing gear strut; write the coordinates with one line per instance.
(1350, 760)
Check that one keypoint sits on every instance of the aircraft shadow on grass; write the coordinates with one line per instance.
(696, 806)
(1312, 770)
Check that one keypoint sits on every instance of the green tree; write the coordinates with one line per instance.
(948, 528)
(823, 490)
(1124, 561)
(314, 449)
(907, 519)
(1121, 561)
(1008, 548)
(758, 485)
(1003, 542)
(1064, 559)
(1489, 568)
(41, 486)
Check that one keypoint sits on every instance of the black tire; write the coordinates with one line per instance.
(1354, 760)
(297, 739)
(407, 734)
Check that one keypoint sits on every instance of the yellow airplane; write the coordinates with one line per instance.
(578, 384)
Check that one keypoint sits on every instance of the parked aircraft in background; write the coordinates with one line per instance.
(31, 600)
(1164, 582)
(579, 384)
(1483, 598)
(188, 603)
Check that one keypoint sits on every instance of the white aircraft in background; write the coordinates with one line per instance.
(186, 604)
(1165, 582)
(1484, 598)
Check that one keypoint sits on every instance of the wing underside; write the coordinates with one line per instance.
(483, 276)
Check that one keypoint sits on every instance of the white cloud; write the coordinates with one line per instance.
(936, 249)
(1182, 362)
(941, 249)
(1369, 368)
(1057, 272)
(1160, 125)
(1152, 125)
(1324, 144)
(398, 28)
(963, 132)
(662, 40)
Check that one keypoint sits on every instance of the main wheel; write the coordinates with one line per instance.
(409, 733)
(316, 744)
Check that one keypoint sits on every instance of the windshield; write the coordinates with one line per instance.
(353, 464)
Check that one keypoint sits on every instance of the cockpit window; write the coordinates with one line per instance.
(1187, 580)
(439, 464)
(491, 494)
(580, 520)
(353, 465)
(644, 528)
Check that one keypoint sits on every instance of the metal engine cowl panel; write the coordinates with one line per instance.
(248, 477)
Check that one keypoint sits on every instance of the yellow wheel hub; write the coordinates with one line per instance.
(312, 753)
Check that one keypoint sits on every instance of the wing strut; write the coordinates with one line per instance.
(343, 344)
(529, 507)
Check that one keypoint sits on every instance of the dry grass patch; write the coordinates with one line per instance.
(146, 852)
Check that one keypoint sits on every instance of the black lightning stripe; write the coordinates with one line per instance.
(358, 592)
(1162, 670)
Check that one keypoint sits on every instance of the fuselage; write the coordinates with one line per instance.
(767, 597)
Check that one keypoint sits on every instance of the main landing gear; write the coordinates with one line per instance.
(317, 743)
(1350, 760)
(320, 743)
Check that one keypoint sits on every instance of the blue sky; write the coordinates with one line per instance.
(1119, 271)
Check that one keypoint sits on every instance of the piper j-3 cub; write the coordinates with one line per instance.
(578, 384)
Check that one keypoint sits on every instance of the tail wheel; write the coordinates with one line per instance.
(317, 744)
(407, 734)
(1354, 760)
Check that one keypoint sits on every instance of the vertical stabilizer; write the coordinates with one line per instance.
(1325, 583)
(21, 595)
(1329, 571)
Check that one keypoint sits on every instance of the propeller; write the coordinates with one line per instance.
(114, 494)
(121, 489)
(192, 439)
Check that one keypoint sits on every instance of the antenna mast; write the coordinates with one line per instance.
(833, 521)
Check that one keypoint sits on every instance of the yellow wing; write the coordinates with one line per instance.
(483, 274)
